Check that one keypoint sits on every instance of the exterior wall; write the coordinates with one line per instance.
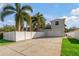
(38, 34)
(74, 34)
(28, 35)
(51, 33)
(9, 36)
(55, 33)
(19, 36)
(58, 30)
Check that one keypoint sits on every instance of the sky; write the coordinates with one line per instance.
(51, 11)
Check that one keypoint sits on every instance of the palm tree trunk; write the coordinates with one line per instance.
(30, 24)
(22, 25)
(18, 25)
(38, 24)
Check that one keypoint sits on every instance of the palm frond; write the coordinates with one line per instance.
(9, 7)
(26, 17)
(27, 7)
(34, 18)
(5, 13)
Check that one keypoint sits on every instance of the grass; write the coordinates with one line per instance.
(5, 42)
(70, 47)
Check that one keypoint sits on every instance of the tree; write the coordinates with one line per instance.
(8, 28)
(20, 13)
(38, 21)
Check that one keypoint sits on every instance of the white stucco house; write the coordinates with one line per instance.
(57, 29)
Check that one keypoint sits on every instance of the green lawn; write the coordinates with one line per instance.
(70, 47)
(5, 42)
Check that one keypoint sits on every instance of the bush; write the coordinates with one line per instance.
(1, 35)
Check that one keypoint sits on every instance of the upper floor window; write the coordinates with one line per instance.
(56, 23)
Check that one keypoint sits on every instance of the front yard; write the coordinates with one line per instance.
(70, 47)
(5, 42)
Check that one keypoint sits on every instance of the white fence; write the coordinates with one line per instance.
(18, 36)
(74, 34)
(9, 36)
(23, 35)
(54, 33)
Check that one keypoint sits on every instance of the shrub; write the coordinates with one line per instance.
(1, 35)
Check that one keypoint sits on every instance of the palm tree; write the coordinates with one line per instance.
(38, 21)
(20, 13)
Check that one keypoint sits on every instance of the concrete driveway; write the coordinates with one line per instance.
(34, 47)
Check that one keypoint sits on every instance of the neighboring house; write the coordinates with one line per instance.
(58, 27)
(73, 34)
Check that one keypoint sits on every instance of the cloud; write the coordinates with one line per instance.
(71, 21)
(75, 11)
(71, 18)
(64, 17)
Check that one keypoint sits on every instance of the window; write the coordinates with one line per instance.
(56, 23)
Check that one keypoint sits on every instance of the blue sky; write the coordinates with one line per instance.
(51, 11)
